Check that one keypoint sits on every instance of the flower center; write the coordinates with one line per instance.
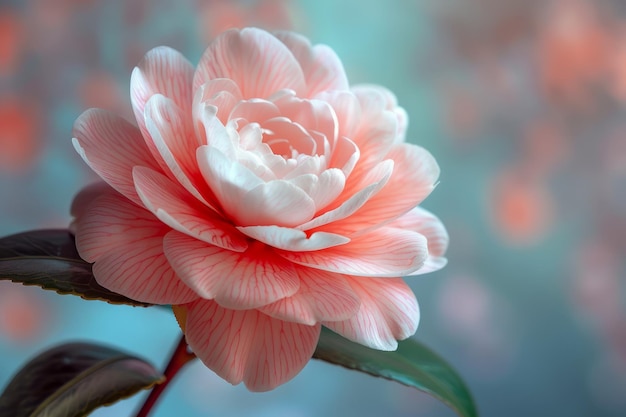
(287, 139)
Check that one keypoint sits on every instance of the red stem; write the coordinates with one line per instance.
(179, 358)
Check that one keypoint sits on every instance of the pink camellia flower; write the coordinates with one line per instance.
(263, 197)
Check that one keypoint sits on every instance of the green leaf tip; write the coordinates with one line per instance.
(412, 364)
(73, 379)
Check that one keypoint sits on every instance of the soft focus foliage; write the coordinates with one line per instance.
(534, 312)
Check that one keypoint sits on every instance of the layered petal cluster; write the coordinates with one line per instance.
(263, 197)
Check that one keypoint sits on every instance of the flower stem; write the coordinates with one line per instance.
(179, 358)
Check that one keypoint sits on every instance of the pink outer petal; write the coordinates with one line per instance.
(383, 252)
(427, 224)
(255, 60)
(415, 173)
(174, 207)
(162, 71)
(323, 296)
(247, 345)
(389, 312)
(176, 143)
(322, 68)
(251, 279)
(112, 147)
(126, 243)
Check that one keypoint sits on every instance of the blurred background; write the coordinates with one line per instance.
(522, 102)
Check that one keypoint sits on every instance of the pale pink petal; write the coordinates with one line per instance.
(244, 280)
(375, 135)
(172, 205)
(164, 71)
(222, 93)
(176, 142)
(383, 252)
(126, 243)
(323, 146)
(251, 140)
(255, 60)
(372, 183)
(323, 188)
(247, 345)
(427, 224)
(431, 264)
(217, 135)
(305, 164)
(323, 296)
(255, 155)
(284, 137)
(228, 179)
(255, 110)
(388, 313)
(375, 138)
(85, 196)
(415, 174)
(322, 68)
(112, 147)
(313, 115)
(276, 202)
(347, 110)
(345, 155)
(375, 98)
(293, 239)
(403, 124)
(206, 109)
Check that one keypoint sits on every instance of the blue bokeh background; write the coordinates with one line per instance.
(521, 102)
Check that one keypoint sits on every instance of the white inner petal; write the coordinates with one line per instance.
(323, 188)
(271, 162)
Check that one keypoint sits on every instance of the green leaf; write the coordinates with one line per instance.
(74, 379)
(412, 364)
(48, 259)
